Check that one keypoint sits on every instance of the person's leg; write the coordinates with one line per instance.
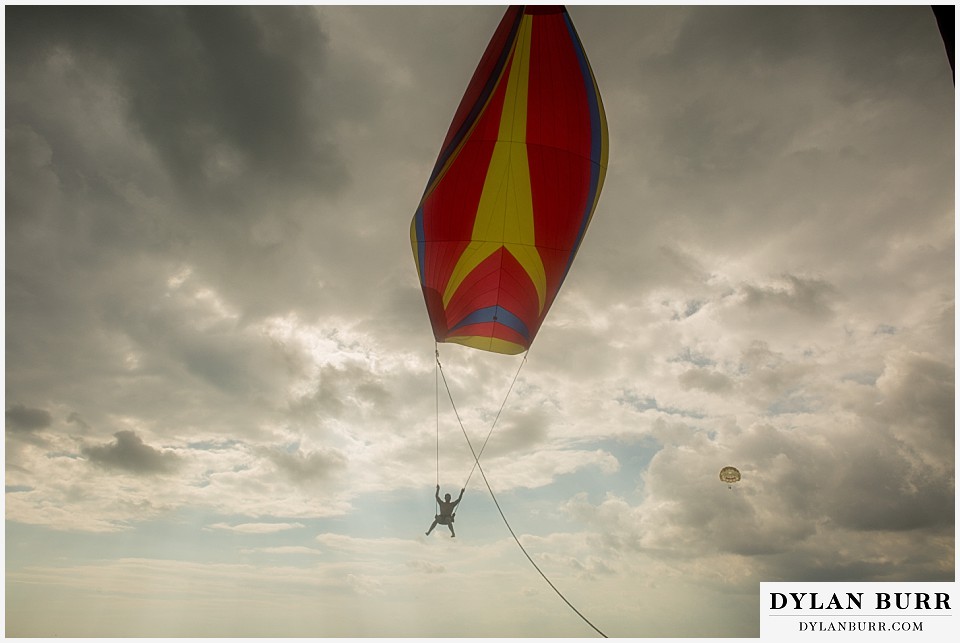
(452, 534)
(431, 527)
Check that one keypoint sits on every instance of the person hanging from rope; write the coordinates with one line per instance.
(447, 512)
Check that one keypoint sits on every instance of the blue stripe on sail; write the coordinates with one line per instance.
(495, 314)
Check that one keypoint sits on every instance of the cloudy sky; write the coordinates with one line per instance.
(221, 402)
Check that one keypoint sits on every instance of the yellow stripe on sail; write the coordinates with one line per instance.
(505, 211)
(492, 344)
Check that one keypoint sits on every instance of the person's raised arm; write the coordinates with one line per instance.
(438, 493)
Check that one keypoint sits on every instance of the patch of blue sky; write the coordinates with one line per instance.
(688, 356)
(204, 480)
(686, 413)
(636, 401)
(793, 402)
(641, 403)
(690, 309)
(214, 445)
(33, 544)
(401, 513)
(537, 511)
(693, 306)
(185, 535)
(633, 456)
(867, 378)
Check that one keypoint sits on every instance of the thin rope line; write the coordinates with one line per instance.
(492, 426)
(476, 458)
(535, 566)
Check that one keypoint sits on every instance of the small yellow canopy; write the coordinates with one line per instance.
(730, 475)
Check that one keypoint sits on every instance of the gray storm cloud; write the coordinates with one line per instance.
(130, 453)
(24, 418)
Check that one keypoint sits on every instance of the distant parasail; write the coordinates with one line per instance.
(514, 187)
(730, 475)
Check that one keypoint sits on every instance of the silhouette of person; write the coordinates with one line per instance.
(445, 517)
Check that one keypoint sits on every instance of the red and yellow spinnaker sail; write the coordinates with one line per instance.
(514, 187)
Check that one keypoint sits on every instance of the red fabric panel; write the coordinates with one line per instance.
(450, 210)
(498, 280)
(535, 10)
(558, 143)
(487, 65)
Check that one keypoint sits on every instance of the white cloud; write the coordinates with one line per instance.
(257, 527)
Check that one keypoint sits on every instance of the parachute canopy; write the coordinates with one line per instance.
(730, 475)
(514, 186)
